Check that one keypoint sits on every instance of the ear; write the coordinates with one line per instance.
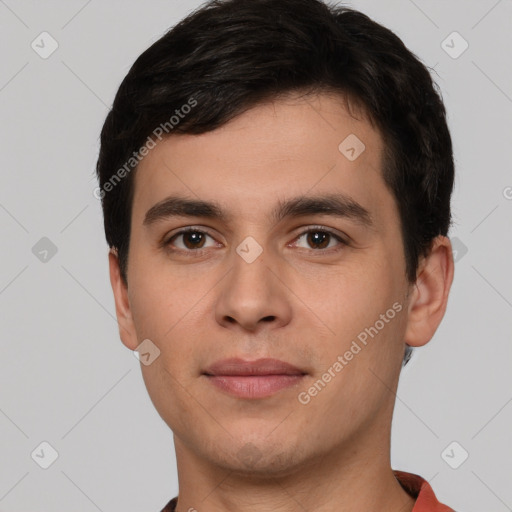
(123, 311)
(429, 295)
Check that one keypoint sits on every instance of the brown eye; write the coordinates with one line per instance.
(317, 239)
(193, 239)
(188, 240)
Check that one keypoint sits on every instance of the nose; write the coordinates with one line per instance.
(252, 296)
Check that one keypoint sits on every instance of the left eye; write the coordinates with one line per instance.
(320, 238)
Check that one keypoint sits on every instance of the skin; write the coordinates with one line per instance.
(296, 302)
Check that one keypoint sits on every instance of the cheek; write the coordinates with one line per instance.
(360, 363)
(169, 314)
(352, 300)
(157, 302)
(365, 313)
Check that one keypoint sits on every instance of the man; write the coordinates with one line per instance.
(276, 177)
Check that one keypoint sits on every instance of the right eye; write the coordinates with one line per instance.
(192, 239)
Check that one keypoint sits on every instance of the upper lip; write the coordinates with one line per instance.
(266, 366)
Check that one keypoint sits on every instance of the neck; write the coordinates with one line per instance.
(356, 479)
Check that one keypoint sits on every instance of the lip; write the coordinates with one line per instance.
(253, 379)
(240, 367)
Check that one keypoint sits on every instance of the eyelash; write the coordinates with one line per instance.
(199, 252)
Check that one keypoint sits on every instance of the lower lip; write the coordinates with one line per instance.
(254, 386)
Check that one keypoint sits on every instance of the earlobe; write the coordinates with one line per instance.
(429, 296)
(123, 310)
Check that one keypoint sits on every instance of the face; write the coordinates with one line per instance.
(318, 284)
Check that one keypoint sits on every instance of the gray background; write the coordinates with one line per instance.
(66, 378)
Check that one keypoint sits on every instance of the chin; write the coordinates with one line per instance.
(261, 460)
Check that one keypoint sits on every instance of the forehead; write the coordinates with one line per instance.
(287, 146)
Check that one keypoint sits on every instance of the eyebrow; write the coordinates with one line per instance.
(336, 205)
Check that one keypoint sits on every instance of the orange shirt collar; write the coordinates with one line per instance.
(420, 489)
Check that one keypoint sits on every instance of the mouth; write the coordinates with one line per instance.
(253, 379)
